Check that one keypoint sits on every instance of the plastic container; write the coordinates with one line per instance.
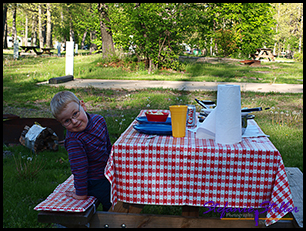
(178, 120)
(157, 116)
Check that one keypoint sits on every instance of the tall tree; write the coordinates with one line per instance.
(40, 28)
(14, 30)
(4, 25)
(34, 31)
(49, 35)
(106, 31)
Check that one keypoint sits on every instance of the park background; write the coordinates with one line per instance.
(159, 32)
(144, 41)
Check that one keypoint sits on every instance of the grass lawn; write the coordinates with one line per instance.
(21, 96)
(93, 66)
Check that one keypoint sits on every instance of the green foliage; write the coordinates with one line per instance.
(169, 59)
(157, 31)
(98, 42)
(298, 57)
(141, 66)
(154, 30)
(289, 17)
(227, 41)
(251, 25)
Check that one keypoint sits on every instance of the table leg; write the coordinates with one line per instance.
(122, 207)
(257, 56)
(271, 58)
(190, 211)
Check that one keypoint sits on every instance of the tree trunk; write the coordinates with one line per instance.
(14, 31)
(49, 34)
(5, 37)
(71, 32)
(83, 40)
(301, 29)
(93, 46)
(4, 25)
(151, 66)
(211, 48)
(41, 38)
(274, 49)
(25, 39)
(106, 32)
(216, 46)
(34, 34)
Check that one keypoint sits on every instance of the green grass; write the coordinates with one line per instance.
(20, 196)
(229, 72)
(38, 69)
(21, 96)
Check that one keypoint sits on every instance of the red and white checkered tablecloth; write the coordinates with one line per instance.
(188, 171)
(58, 201)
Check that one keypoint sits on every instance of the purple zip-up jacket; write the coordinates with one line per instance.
(88, 152)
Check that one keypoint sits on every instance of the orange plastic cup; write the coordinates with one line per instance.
(178, 120)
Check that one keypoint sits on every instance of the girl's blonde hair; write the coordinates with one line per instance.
(60, 101)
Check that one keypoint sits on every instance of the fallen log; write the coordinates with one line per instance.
(251, 62)
(61, 79)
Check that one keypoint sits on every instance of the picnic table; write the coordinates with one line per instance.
(263, 53)
(191, 172)
(29, 48)
(46, 51)
(187, 172)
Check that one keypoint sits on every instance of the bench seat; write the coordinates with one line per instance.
(295, 178)
(58, 201)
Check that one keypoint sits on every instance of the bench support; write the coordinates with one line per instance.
(132, 220)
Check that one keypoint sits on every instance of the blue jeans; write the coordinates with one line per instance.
(101, 190)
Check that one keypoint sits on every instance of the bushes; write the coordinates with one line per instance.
(298, 57)
(227, 41)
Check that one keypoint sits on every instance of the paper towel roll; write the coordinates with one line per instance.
(228, 114)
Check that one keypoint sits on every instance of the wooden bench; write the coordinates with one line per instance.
(295, 178)
(128, 215)
(69, 220)
(46, 51)
(26, 54)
